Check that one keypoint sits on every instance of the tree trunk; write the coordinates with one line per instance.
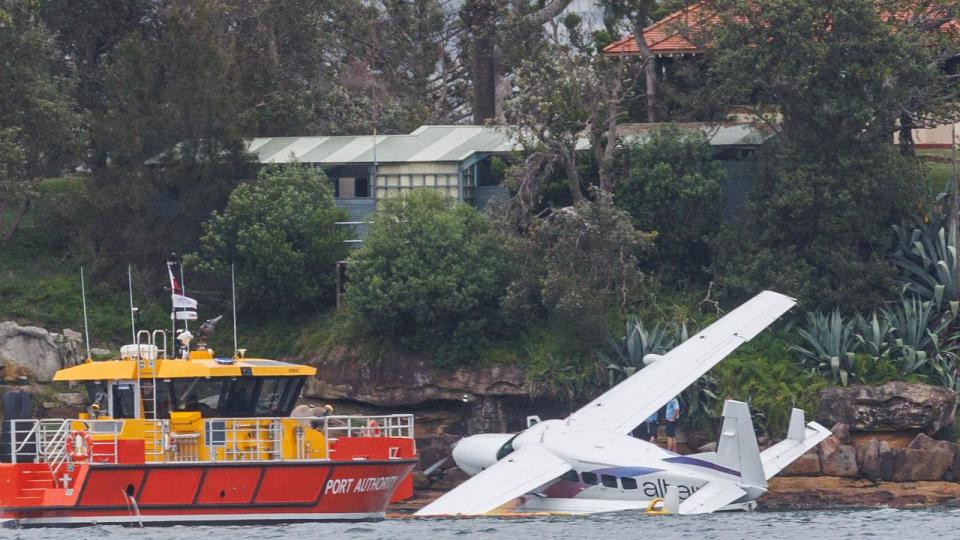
(480, 21)
(906, 135)
(573, 176)
(649, 71)
(18, 219)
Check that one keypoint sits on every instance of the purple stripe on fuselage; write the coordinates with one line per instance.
(628, 472)
(687, 460)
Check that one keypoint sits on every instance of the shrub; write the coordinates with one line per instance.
(673, 187)
(429, 276)
(280, 232)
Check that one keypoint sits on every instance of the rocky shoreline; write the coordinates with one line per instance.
(891, 444)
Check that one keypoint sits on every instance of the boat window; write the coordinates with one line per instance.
(123, 401)
(235, 396)
(570, 476)
(628, 483)
(608, 480)
(589, 478)
(198, 395)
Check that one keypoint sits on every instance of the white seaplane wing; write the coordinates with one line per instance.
(517, 474)
(626, 405)
(712, 497)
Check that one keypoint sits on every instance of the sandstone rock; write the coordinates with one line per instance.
(37, 350)
(911, 465)
(954, 473)
(806, 465)
(838, 459)
(886, 458)
(403, 382)
(826, 492)
(842, 433)
(895, 406)
(923, 442)
(868, 460)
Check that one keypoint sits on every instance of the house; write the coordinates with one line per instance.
(364, 169)
(671, 40)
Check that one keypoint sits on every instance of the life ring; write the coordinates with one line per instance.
(372, 429)
(78, 445)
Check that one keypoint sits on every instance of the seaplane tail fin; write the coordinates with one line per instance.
(800, 438)
(737, 448)
(712, 497)
(519, 473)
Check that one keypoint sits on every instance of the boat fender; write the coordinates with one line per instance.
(78, 445)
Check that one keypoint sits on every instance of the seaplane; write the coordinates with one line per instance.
(589, 462)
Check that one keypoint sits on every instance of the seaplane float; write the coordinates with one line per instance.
(175, 434)
(589, 462)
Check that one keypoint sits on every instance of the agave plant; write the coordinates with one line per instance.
(830, 345)
(918, 331)
(628, 351)
(874, 335)
(926, 254)
(945, 369)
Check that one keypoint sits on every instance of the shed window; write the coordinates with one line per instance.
(589, 478)
(628, 483)
(608, 480)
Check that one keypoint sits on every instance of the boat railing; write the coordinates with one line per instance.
(57, 442)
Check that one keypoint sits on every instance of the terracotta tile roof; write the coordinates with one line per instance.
(665, 37)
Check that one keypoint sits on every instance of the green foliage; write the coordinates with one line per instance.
(578, 267)
(40, 134)
(629, 350)
(280, 232)
(816, 226)
(763, 374)
(673, 188)
(429, 276)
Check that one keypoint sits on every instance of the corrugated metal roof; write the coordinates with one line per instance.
(426, 144)
(455, 143)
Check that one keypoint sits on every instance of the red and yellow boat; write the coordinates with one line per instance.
(194, 438)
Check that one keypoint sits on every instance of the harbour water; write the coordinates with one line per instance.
(807, 525)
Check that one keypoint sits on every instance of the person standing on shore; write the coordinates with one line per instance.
(671, 417)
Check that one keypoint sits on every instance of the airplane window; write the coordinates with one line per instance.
(570, 476)
(608, 480)
(628, 483)
(589, 478)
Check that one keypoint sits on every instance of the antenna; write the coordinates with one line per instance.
(183, 287)
(233, 294)
(86, 328)
(133, 321)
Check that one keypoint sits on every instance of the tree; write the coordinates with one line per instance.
(673, 188)
(174, 133)
(40, 135)
(577, 265)
(429, 276)
(499, 33)
(280, 232)
(818, 230)
(563, 95)
(836, 71)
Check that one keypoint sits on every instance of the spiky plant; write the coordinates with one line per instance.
(926, 255)
(874, 335)
(830, 345)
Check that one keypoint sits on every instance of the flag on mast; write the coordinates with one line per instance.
(184, 307)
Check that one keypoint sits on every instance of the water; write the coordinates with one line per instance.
(807, 525)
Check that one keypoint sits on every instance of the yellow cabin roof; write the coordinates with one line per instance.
(200, 365)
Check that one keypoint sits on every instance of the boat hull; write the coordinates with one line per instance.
(168, 494)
